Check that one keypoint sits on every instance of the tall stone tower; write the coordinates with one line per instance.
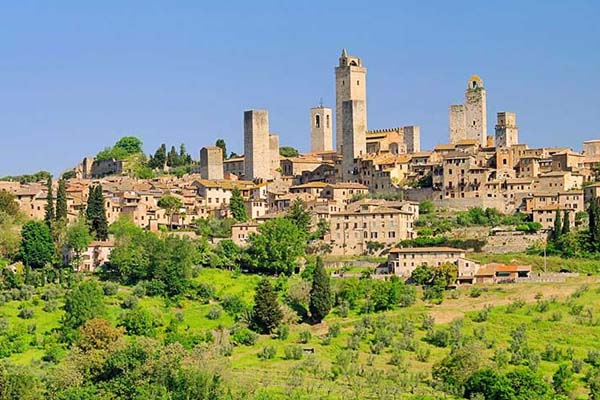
(257, 149)
(274, 158)
(476, 110)
(321, 129)
(211, 162)
(507, 132)
(354, 134)
(350, 85)
(457, 123)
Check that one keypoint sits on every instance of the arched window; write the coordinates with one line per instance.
(474, 84)
(317, 121)
(327, 121)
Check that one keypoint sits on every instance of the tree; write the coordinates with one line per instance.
(96, 213)
(490, 384)
(298, 213)
(129, 144)
(237, 206)
(37, 245)
(171, 205)
(276, 247)
(61, 202)
(10, 236)
(78, 238)
(562, 380)
(173, 157)
(184, 157)
(557, 231)
(221, 143)
(159, 159)
(287, 151)
(594, 224)
(8, 203)
(49, 216)
(320, 293)
(454, 370)
(445, 275)
(266, 314)
(426, 207)
(566, 226)
(422, 275)
(82, 303)
(138, 321)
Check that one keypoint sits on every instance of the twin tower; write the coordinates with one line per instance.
(350, 114)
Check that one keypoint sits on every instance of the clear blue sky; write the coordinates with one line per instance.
(77, 75)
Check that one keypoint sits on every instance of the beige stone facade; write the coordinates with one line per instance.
(403, 261)
(257, 145)
(321, 129)
(507, 132)
(469, 120)
(211, 163)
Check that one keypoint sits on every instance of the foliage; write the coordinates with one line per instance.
(8, 203)
(61, 201)
(426, 207)
(49, 207)
(299, 215)
(28, 178)
(78, 238)
(266, 314)
(287, 151)
(223, 146)
(138, 321)
(96, 213)
(320, 293)
(82, 303)
(237, 206)
(211, 228)
(276, 248)
(126, 146)
(171, 204)
(454, 370)
(425, 241)
(37, 245)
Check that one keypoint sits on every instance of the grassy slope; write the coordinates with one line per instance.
(280, 375)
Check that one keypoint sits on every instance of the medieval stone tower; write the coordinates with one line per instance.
(354, 133)
(476, 110)
(350, 85)
(257, 145)
(321, 129)
(211, 163)
(469, 120)
(507, 132)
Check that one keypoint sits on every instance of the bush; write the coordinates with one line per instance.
(305, 336)
(25, 313)
(129, 302)
(334, 330)
(50, 293)
(139, 290)
(50, 306)
(293, 352)
(205, 291)
(283, 332)
(110, 288)
(475, 292)
(483, 314)
(267, 353)
(214, 313)
(244, 336)
(233, 305)
(438, 337)
(139, 321)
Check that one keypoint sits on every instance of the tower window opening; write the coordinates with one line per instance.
(317, 121)
(357, 83)
(474, 84)
(327, 121)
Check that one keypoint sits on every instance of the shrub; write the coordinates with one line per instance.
(50, 306)
(283, 332)
(267, 353)
(334, 330)
(244, 336)
(139, 290)
(423, 354)
(483, 314)
(205, 291)
(305, 336)
(233, 305)
(593, 358)
(556, 316)
(129, 302)
(25, 313)
(139, 321)
(343, 309)
(475, 292)
(50, 293)
(293, 352)
(438, 337)
(110, 288)
(214, 313)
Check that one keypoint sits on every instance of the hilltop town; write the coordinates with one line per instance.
(365, 188)
(365, 268)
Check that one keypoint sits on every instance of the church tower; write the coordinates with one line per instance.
(350, 85)
(321, 129)
(507, 132)
(476, 111)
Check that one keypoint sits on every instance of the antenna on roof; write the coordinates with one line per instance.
(321, 102)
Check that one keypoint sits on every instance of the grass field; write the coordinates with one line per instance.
(369, 374)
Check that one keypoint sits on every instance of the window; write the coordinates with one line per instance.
(357, 83)
(327, 121)
(317, 121)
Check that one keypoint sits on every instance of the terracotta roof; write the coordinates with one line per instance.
(426, 250)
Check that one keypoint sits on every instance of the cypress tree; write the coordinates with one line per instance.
(566, 226)
(61, 201)
(101, 221)
(91, 209)
(266, 314)
(594, 224)
(237, 206)
(173, 157)
(320, 293)
(557, 226)
(49, 217)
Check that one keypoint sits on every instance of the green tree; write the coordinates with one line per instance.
(10, 236)
(171, 205)
(8, 203)
(159, 159)
(96, 213)
(173, 157)
(566, 225)
(49, 216)
(237, 206)
(490, 384)
(320, 293)
(266, 314)
(37, 245)
(78, 238)
(61, 202)
(287, 151)
(592, 379)
(422, 275)
(276, 247)
(557, 231)
(221, 143)
(129, 145)
(298, 213)
(562, 380)
(446, 274)
(594, 224)
(82, 303)
(426, 207)
(139, 322)
(454, 370)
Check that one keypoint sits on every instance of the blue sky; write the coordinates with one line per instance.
(77, 75)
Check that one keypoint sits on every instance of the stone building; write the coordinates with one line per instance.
(257, 145)
(402, 140)
(321, 129)
(211, 162)
(591, 147)
(403, 261)
(354, 133)
(350, 85)
(274, 158)
(234, 166)
(507, 132)
(469, 120)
